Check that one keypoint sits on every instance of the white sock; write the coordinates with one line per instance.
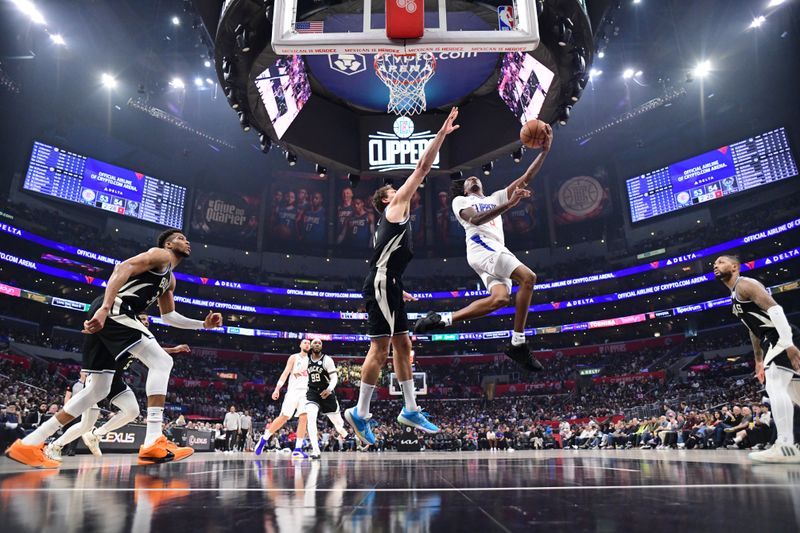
(155, 419)
(408, 394)
(115, 422)
(518, 339)
(311, 411)
(447, 318)
(778, 381)
(267, 434)
(364, 397)
(41, 433)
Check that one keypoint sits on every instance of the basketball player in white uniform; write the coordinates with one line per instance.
(481, 217)
(295, 401)
(775, 343)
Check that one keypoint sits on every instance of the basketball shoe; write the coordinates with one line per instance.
(521, 355)
(361, 426)
(31, 455)
(416, 419)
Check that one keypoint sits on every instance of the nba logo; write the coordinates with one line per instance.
(505, 18)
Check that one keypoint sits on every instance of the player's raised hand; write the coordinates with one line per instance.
(408, 297)
(548, 140)
(96, 323)
(518, 194)
(448, 127)
(213, 320)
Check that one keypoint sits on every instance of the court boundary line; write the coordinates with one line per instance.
(414, 489)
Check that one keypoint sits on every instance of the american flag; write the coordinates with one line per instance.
(315, 26)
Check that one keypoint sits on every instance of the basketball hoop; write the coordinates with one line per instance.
(405, 75)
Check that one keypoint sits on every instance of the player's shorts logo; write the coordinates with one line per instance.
(347, 64)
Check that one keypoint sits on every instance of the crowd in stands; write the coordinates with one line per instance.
(690, 410)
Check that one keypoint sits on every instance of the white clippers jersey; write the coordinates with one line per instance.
(300, 367)
(488, 236)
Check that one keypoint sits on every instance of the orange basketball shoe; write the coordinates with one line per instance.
(31, 455)
(162, 451)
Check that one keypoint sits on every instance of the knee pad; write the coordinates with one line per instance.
(158, 363)
(127, 404)
(98, 385)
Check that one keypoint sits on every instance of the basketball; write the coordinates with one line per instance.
(533, 134)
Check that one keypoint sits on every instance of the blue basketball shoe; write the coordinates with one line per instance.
(361, 426)
(416, 419)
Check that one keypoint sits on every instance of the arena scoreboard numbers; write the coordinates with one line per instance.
(730, 169)
(76, 178)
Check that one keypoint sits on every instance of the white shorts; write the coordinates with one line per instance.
(493, 267)
(294, 402)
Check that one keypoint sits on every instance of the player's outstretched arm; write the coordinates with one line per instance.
(166, 304)
(407, 190)
(181, 348)
(153, 259)
(471, 215)
(534, 167)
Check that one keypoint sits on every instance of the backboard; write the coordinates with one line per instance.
(360, 27)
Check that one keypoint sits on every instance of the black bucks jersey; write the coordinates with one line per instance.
(760, 325)
(319, 377)
(383, 288)
(122, 330)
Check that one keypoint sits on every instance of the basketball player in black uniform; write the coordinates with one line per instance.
(322, 379)
(775, 347)
(112, 332)
(384, 295)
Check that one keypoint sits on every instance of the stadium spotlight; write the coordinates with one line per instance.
(209, 81)
(487, 168)
(265, 142)
(291, 159)
(516, 155)
(322, 171)
(244, 122)
(56, 38)
(108, 80)
(176, 83)
(207, 63)
(773, 3)
(637, 1)
(176, 21)
(601, 54)
(595, 73)
(198, 82)
(638, 73)
(758, 21)
(27, 7)
(702, 69)
(456, 176)
(354, 180)
(628, 73)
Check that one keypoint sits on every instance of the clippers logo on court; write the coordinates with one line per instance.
(408, 5)
(400, 149)
(347, 64)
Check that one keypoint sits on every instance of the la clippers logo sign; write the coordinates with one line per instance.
(399, 150)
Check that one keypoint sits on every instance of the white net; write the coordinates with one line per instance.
(405, 75)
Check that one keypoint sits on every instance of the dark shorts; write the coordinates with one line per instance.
(386, 310)
(782, 359)
(326, 405)
(120, 333)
